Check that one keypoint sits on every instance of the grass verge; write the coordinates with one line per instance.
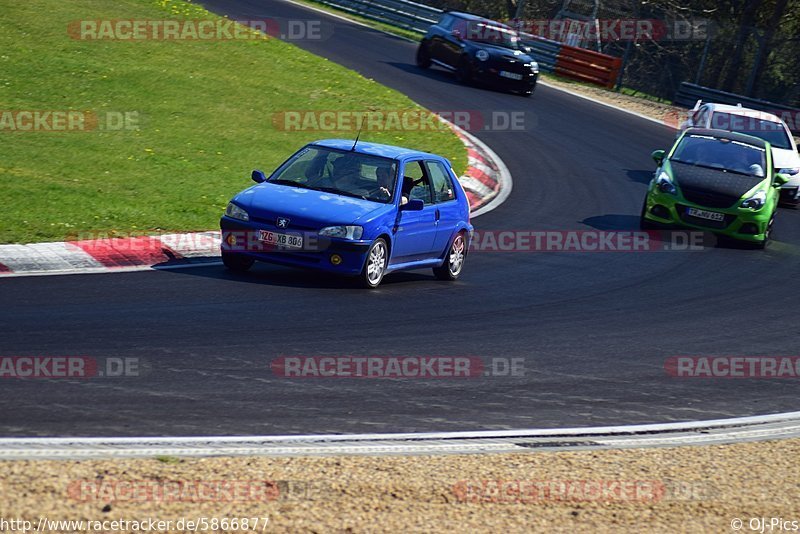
(203, 110)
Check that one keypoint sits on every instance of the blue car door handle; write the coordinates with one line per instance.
(437, 215)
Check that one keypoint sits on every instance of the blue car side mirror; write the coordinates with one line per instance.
(413, 205)
(258, 176)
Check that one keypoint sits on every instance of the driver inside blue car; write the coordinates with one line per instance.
(385, 186)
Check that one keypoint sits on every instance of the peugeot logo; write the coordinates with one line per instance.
(282, 222)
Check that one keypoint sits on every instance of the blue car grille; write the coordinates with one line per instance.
(309, 258)
(271, 222)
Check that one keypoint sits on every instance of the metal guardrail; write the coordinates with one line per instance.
(545, 51)
(688, 94)
(401, 13)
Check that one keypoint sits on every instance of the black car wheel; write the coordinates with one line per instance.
(464, 71)
(423, 56)
(237, 262)
(529, 92)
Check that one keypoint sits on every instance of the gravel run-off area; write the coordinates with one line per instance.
(688, 489)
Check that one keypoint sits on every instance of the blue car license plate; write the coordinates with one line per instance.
(283, 240)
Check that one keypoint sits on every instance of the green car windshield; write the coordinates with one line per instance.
(719, 153)
(343, 173)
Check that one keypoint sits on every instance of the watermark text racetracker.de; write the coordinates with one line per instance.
(742, 120)
(67, 120)
(733, 366)
(72, 367)
(401, 120)
(132, 30)
(422, 367)
(572, 31)
(109, 490)
(540, 491)
(502, 241)
(585, 241)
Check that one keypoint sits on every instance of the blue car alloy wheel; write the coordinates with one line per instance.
(351, 208)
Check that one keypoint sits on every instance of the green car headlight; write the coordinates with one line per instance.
(755, 202)
(664, 184)
(235, 212)
(342, 232)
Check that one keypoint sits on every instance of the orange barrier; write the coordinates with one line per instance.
(587, 66)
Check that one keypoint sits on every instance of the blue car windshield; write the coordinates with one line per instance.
(340, 172)
(722, 154)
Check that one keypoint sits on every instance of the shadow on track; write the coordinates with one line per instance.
(444, 76)
(639, 176)
(271, 275)
(433, 73)
(630, 223)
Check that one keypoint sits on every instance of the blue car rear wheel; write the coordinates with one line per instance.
(454, 261)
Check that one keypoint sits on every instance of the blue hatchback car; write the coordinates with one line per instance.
(352, 208)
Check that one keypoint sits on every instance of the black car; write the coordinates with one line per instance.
(479, 50)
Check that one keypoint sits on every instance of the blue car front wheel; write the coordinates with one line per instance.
(236, 262)
(375, 266)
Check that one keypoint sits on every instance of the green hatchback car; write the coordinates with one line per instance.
(715, 180)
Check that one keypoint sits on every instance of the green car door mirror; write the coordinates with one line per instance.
(658, 156)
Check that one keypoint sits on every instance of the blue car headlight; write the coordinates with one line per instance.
(534, 66)
(342, 232)
(755, 202)
(664, 184)
(235, 212)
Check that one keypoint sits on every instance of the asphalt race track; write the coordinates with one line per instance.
(594, 328)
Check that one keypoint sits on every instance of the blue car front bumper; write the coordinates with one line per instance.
(333, 255)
